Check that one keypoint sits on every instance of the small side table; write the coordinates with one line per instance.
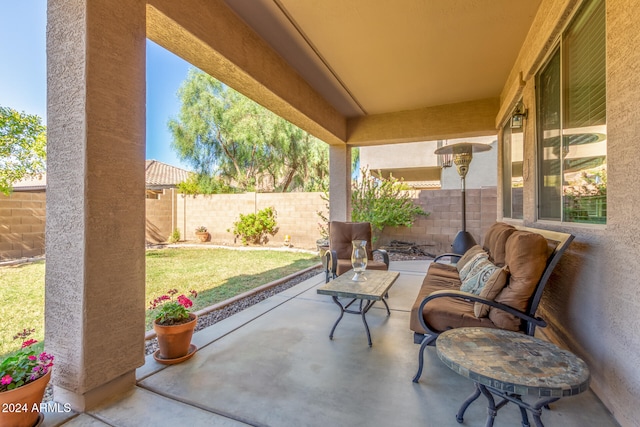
(511, 365)
(373, 288)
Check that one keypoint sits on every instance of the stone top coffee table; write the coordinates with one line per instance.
(511, 365)
(373, 288)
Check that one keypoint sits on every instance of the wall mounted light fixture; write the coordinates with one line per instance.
(518, 116)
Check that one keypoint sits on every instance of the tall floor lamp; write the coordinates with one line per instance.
(462, 155)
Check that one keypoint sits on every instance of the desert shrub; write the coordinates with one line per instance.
(382, 202)
(255, 228)
(175, 236)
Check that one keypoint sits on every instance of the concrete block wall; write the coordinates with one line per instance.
(160, 217)
(22, 218)
(445, 219)
(22, 222)
(296, 215)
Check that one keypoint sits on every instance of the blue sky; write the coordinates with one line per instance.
(23, 74)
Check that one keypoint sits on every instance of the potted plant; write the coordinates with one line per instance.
(202, 233)
(174, 326)
(24, 375)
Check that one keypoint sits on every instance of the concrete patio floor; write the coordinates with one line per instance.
(274, 365)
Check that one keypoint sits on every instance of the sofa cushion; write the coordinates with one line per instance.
(526, 257)
(445, 270)
(342, 233)
(444, 313)
(466, 257)
(480, 272)
(492, 288)
(495, 240)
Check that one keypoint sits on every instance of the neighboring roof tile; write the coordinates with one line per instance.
(157, 174)
(162, 174)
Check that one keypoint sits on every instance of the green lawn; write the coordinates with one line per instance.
(217, 274)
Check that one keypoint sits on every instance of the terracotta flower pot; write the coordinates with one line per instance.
(203, 236)
(174, 340)
(21, 406)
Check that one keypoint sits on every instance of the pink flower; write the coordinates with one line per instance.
(28, 343)
(32, 357)
(46, 357)
(6, 380)
(184, 301)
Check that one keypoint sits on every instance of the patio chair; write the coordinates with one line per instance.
(338, 257)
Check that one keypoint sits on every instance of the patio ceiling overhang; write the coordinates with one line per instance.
(360, 72)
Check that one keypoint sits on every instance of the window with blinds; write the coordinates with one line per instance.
(512, 182)
(572, 150)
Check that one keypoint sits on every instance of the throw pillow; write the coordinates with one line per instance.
(492, 288)
(478, 275)
(464, 271)
(464, 259)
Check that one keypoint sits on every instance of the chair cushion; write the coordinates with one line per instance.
(444, 313)
(491, 289)
(527, 255)
(464, 259)
(495, 240)
(342, 233)
(480, 272)
(344, 265)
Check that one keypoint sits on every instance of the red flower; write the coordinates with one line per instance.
(184, 301)
(29, 342)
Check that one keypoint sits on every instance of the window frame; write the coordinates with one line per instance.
(557, 46)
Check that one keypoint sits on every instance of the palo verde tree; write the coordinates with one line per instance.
(23, 145)
(234, 142)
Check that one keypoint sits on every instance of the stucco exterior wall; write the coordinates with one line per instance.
(95, 272)
(22, 221)
(592, 300)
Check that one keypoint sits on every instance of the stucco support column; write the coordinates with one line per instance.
(95, 236)
(340, 183)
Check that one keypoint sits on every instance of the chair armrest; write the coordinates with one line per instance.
(475, 298)
(450, 255)
(385, 255)
(332, 265)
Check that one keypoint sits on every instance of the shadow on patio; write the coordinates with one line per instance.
(274, 365)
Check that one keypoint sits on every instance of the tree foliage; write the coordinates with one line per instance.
(223, 134)
(382, 202)
(23, 144)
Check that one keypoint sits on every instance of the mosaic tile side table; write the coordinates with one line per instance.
(511, 365)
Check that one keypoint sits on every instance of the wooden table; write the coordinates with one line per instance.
(373, 288)
(511, 365)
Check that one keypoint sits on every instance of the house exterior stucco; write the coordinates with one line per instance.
(592, 299)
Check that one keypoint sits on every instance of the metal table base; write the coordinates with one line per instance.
(493, 408)
(362, 310)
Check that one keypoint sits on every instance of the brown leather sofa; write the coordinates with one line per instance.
(522, 260)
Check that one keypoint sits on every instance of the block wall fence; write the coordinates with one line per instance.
(297, 216)
(22, 218)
